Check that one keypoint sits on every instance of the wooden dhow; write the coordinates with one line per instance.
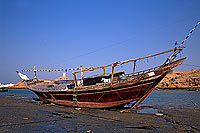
(106, 90)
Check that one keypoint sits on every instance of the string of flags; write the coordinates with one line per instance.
(51, 70)
(190, 33)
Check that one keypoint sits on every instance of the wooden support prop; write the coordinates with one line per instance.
(149, 90)
(75, 80)
(138, 102)
(141, 99)
(45, 95)
(74, 90)
(52, 97)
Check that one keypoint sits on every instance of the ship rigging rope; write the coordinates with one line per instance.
(127, 61)
(50, 70)
(122, 42)
(179, 48)
(191, 65)
(177, 51)
(190, 33)
(118, 63)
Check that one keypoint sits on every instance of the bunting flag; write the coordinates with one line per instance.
(190, 33)
(177, 51)
(51, 70)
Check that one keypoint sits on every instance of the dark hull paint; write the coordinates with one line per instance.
(103, 99)
(114, 95)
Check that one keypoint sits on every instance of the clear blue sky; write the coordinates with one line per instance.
(54, 34)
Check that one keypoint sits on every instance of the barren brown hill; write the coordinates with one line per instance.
(19, 85)
(176, 79)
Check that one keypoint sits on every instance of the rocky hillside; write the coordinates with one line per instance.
(19, 85)
(176, 79)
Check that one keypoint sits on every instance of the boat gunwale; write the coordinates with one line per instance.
(117, 84)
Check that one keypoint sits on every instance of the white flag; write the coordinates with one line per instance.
(24, 77)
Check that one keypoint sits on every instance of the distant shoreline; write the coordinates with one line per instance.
(188, 89)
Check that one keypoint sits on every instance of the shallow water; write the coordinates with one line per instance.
(169, 98)
(19, 93)
(173, 98)
(148, 110)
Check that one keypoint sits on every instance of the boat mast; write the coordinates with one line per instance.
(34, 70)
(177, 50)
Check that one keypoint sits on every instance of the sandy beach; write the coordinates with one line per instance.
(19, 115)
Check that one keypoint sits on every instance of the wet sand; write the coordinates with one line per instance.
(23, 115)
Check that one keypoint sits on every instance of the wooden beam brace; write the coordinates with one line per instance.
(112, 74)
(104, 70)
(131, 60)
(134, 67)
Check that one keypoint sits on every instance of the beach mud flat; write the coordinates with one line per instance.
(17, 115)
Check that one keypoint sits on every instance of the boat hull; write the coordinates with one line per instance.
(106, 98)
(110, 96)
